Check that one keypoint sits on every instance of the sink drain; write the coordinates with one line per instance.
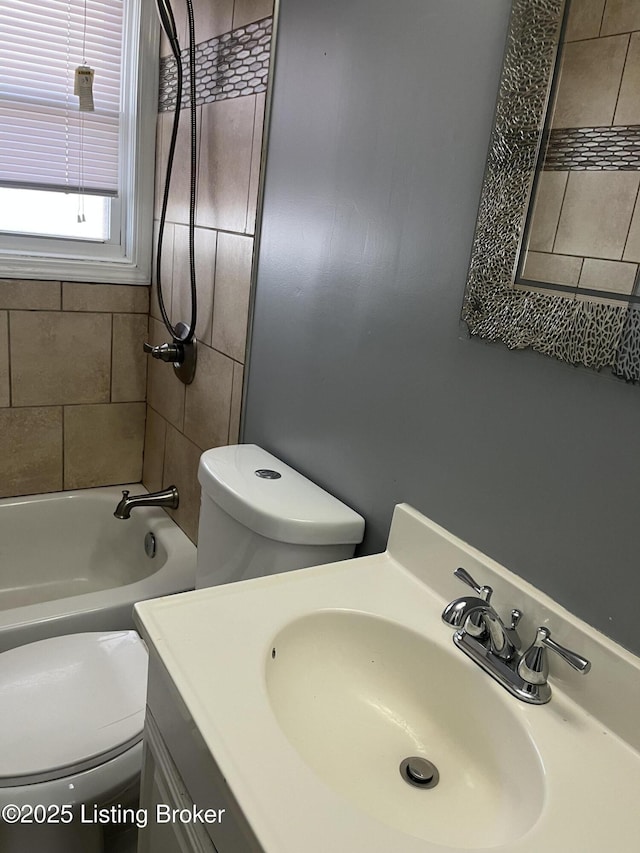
(419, 772)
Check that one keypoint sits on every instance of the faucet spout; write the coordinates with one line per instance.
(167, 498)
(460, 614)
(456, 613)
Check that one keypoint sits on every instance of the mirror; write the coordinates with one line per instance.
(556, 254)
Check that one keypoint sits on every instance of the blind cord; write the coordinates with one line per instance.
(81, 216)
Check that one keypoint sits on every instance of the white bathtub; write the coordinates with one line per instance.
(67, 565)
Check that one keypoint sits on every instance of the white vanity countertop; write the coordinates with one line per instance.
(216, 644)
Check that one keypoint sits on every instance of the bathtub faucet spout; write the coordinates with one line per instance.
(169, 497)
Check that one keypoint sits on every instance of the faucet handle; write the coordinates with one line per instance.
(483, 592)
(534, 666)
(166, 352)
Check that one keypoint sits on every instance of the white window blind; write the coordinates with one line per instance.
(45, 142)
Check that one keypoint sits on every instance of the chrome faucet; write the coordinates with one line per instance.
(479, 619)
(483, 636)
(169, 498)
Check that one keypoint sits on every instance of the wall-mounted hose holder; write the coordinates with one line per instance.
(180, 352)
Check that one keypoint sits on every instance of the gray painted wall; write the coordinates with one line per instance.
(361, 374)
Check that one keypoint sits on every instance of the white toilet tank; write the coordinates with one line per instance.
(258, 517)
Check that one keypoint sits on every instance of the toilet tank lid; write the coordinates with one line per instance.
(286, 508)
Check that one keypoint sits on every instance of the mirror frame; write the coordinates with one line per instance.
(579, 331)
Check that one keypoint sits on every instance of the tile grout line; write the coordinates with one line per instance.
(634, 211)
(622, 73)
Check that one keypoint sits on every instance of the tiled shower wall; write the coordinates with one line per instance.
(72, 385)
(585, 230)
(232, 64)
(73, 377)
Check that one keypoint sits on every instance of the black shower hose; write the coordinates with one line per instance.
(167, 20)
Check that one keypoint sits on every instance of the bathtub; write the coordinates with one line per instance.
(67, 565)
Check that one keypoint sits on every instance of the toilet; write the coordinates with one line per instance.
(72, 708)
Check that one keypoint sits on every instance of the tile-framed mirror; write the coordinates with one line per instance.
(556, 254)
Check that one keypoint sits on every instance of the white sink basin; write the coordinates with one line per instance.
(356, 694)
(306, 745)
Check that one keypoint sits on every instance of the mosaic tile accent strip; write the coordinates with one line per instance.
(593, 148)
(228, 66)
(576, 331)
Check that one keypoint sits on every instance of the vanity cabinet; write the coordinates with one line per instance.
(180, 773)
(163, 794)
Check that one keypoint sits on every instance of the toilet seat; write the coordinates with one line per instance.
(69, 704)
(102, 784)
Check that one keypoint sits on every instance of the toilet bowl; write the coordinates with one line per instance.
(71, 719)
(72, 707)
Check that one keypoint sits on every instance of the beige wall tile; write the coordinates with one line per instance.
(162, 150)
(628, 109)
(591, 72)
(621, 16)
(165, 392)
(18, 294)
(165, 46)
(596, 214)
(236, 403)
(5, 396)
(612, 276)
(231, 299)
(208, 400)
(256, 157)
(129, 299)
(103, 444)
(178, 206)
(548, 202)
(584, 19)
(166, 271)
(555, 269)
(154, 439)
(30, 451)
(205, 264)
(225, 163)
(632, 248)
(181, 470)
(59, 358)
(212, 18)
(247, 11)
(128, 359)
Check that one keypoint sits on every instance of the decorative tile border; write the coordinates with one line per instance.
(228, 66)
(593, 148)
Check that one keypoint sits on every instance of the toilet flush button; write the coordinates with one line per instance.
(268, 474)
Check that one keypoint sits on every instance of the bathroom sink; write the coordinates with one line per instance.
(308, 689)
(356, 694)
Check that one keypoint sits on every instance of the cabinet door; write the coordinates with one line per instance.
(162, 784)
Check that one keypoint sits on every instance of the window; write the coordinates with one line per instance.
(76, 187)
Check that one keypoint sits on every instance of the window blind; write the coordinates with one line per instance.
(45, 141)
